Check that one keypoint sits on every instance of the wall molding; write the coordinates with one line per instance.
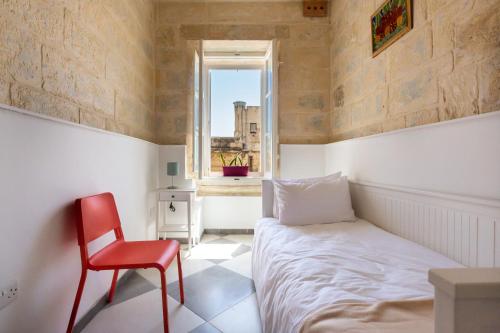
(7, 108)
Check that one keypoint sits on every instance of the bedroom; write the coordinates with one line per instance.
(116, 96)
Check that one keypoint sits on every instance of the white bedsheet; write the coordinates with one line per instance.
(300, 270)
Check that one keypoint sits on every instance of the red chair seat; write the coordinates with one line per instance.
(139, 254)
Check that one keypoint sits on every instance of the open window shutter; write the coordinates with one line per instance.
(199, 125)
(196, 116)
(270, 111)
(205, 116)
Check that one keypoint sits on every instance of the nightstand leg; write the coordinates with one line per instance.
(157, 231)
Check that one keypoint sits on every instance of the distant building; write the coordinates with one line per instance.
(246, 139)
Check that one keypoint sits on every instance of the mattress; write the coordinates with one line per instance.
(299, 271)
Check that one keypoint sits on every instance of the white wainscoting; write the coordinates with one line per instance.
(45, 164)
(232, 212)
(437, 185)
(465, 229)
(302, 161)
(459, 156)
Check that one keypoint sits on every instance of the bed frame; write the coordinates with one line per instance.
(466, 229)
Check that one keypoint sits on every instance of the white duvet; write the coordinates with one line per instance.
(301, 270)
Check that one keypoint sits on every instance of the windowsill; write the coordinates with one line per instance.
(231, 181)
(230, 186)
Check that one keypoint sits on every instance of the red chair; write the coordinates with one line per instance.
(96, 216)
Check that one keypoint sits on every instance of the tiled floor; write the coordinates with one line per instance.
(218, 287)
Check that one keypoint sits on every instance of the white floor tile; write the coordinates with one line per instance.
(189, 266)
(243, 239)
(242, 264)
(241, 318)
(144, 314)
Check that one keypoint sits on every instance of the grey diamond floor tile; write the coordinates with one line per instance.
(217, 261)
(205, 328)
(241, 250)
(129, 286)
(212, 291)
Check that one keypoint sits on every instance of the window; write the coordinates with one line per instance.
(236, 117)
(253, 128)
(235, 98)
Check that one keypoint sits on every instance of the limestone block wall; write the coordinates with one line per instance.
(304, 75)
(89, 62)
(447, 67)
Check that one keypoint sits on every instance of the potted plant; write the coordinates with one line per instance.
(235, 167)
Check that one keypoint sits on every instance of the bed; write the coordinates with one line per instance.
(304, 275)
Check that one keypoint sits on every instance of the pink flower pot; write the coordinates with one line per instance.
(232, 171)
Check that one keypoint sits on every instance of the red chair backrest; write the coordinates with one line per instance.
(97, 215)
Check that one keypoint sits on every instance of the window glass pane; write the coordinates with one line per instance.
(269, 114)
(269, 76)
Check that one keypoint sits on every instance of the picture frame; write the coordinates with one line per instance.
(389, 22)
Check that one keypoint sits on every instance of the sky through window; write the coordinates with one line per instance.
(227, 86)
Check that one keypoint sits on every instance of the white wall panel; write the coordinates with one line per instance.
(173, 153)
(302, 161)
(44, 166)
(437, 185)
(231, 212)
(459, 157)
(486, 241)
(462, 228)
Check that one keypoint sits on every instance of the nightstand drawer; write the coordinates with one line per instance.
(174, 196)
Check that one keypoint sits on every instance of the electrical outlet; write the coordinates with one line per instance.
(8, 294)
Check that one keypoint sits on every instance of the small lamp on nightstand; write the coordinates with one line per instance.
(172, 170)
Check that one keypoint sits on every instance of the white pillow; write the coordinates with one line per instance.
(314, 203)
(333, 176)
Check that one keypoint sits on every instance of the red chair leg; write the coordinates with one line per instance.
(78, 297)
(179, 269)
(113, 286)
(164, 301)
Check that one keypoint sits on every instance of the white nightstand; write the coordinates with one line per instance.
(187, 195)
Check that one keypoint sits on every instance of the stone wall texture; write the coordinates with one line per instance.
(88, 61)
(304, 75)
(447, 67)
(127, 66)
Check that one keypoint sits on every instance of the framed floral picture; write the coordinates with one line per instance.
(389, 23)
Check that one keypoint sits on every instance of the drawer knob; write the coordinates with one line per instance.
(173, 196)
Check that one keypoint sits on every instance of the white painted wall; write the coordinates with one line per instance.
(231, 212)
(44, 166)
(458, 157)
(173, 153)
(302, 161)
(241, 212)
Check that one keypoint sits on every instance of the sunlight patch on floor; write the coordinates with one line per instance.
(213, 251)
